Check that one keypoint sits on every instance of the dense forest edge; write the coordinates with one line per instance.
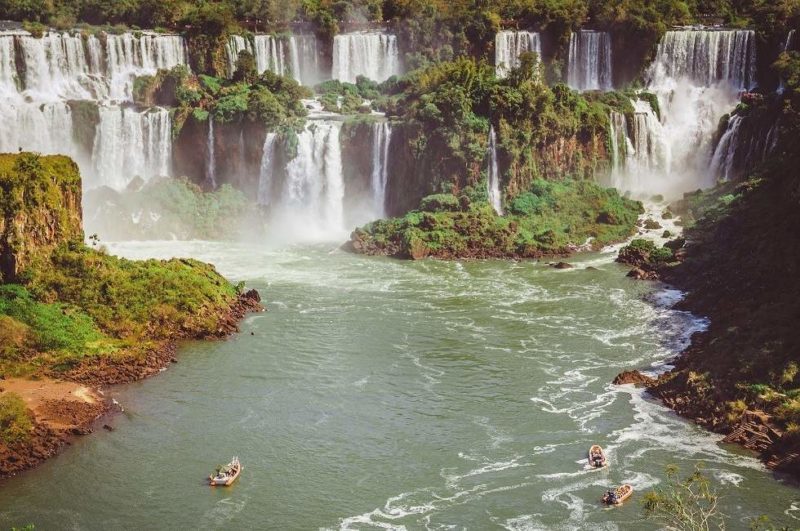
(72, 313)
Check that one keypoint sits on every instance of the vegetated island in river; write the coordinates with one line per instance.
(73, 318)
(739, 267)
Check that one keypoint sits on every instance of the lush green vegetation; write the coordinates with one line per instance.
(15, 420)
(69, 301)
(551, 218)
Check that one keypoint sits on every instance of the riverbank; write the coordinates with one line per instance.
(66, 405)
(739, 269)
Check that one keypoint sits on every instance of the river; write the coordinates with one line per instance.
(378, 393)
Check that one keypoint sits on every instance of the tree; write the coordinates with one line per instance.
(690, 504)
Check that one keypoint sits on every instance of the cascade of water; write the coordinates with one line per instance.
(509, 45)
(8, 66)
(313, 192)
(493, 182)
(787, 46)
(266, 170)
(236, 44)
(45, 128)
(724, 156)
(590, 64)
(696, 76)
(304, 57)
(707, 57)
(128, 56)
(129, 143)
(618, 131)
(269, 55)
(370, 54)
(211, 163)
(381, 139)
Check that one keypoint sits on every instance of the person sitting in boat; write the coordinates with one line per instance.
(598, 460)
(610, 497)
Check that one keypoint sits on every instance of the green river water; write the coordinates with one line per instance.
(378, 393)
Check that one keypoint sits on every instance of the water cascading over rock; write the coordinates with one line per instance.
(71, 94)
(697, 76)
(493, 180)
(296, 56)
(374, 55)
(381, 141)
(509, 45)
(590, 65)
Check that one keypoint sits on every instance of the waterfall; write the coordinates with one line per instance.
(707, 57)
(369, 54)
(266, 170)
(509, 45)
(304, 56)
(129, 143)
(211, 163)
(269, 55)
(313, 192)
(618, 132)
(590, 64)
(724, 156)
(696, 76)
(43, 79)
(236, 44)
(493, 182)
(381, 139)
(787, 46)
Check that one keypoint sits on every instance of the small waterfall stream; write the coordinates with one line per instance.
(509, 45)
(590, 64)
(211, 165)
(370, 54)
(493, 181)
(265, 174)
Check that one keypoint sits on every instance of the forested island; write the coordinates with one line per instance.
(663, 132)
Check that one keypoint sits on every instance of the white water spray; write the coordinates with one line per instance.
(266, 170)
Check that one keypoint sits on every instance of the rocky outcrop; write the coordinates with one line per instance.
(40, 207)
(634, 377)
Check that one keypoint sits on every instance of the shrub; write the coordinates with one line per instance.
(15, 421)
(440, 203)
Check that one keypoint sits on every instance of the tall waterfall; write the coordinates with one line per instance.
(696, 76)
(129, 143)
(493, 181)
(313, 192)
(590, 64)
(509, 45)
(381, 140)
(723, 159)
(43, 81)
(296, 55)
(370, 54)
(265, 181)
(621, 147)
